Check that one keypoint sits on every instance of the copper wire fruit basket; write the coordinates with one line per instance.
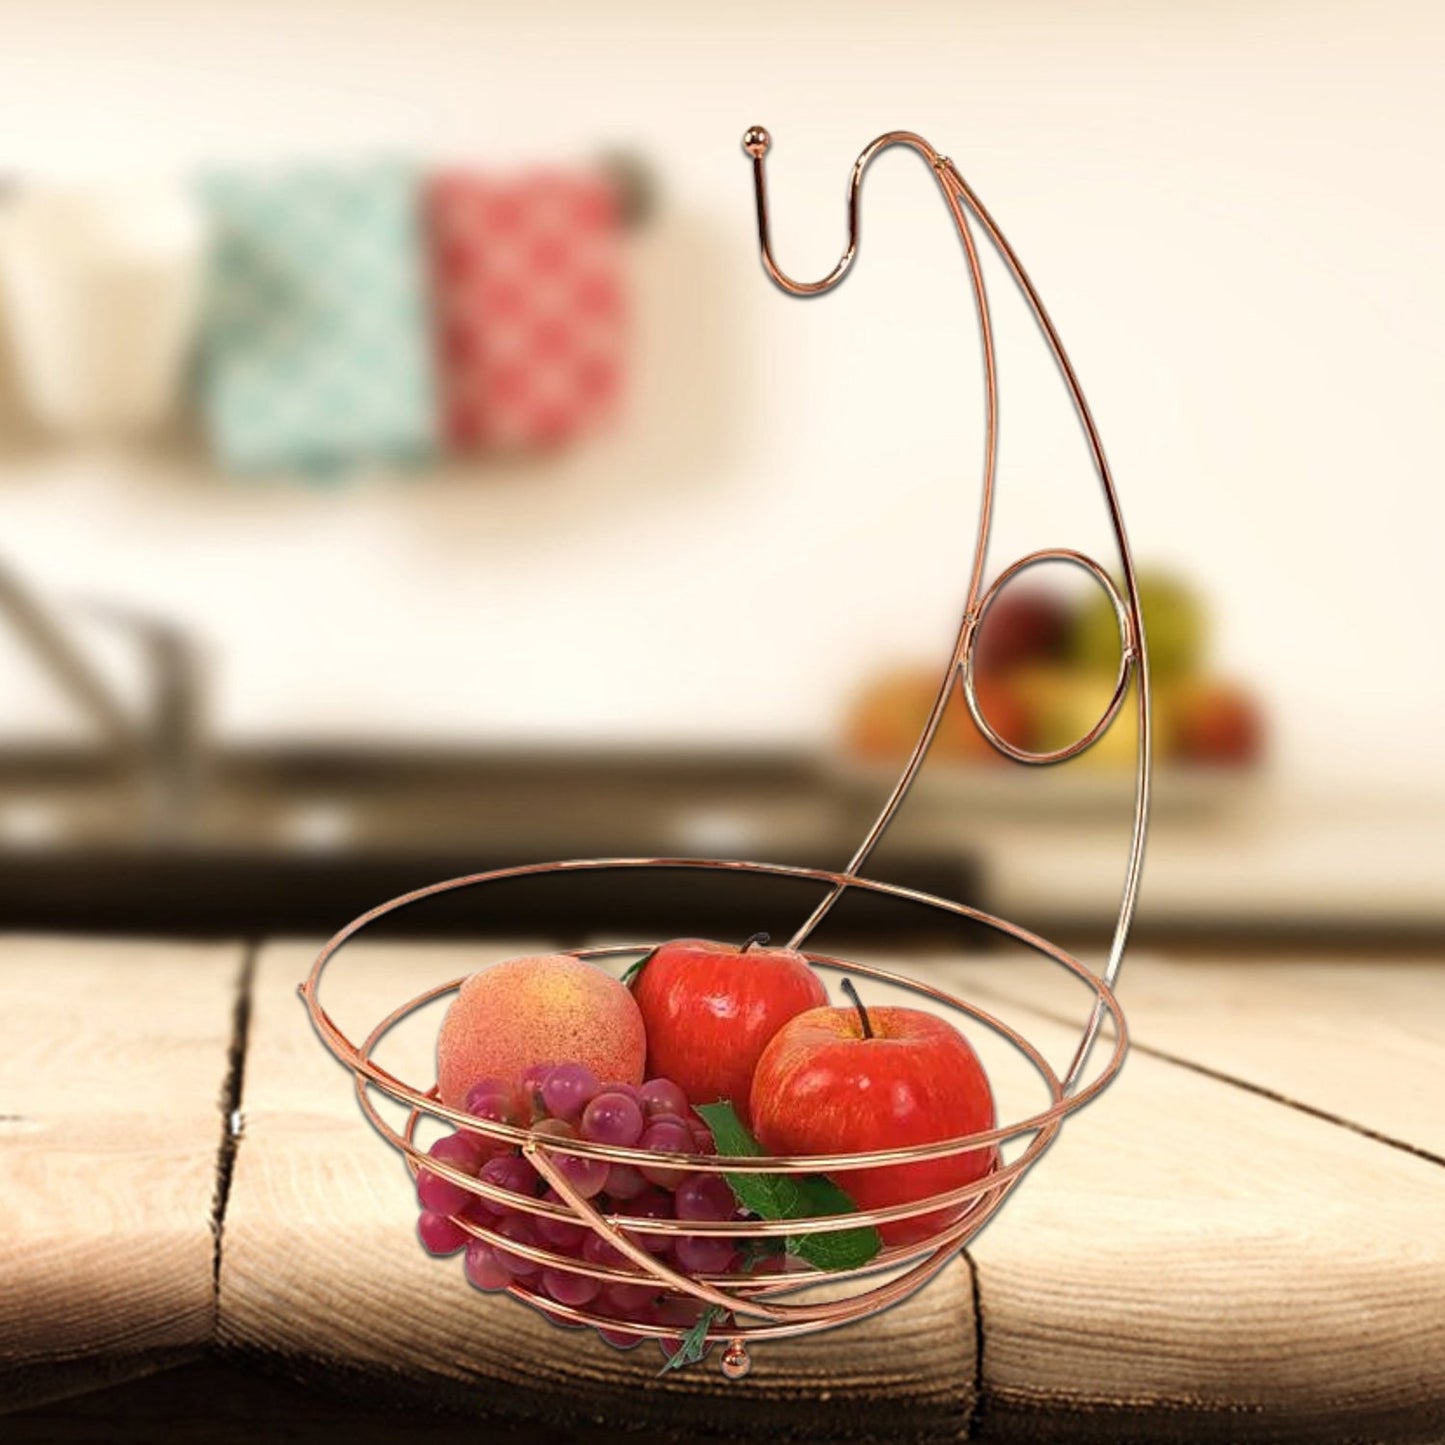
(744, 1308)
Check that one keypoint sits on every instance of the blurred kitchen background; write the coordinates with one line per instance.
(406, 468)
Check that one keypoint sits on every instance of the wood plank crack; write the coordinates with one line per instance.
(976, 1395)
(232, 1119)
(1263, 1091)
(1274, 1096)
(114, 1057)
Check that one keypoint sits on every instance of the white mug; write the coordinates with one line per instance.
(102, 290)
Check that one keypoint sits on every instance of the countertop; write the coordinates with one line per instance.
(289, 840)
(1240, 1241)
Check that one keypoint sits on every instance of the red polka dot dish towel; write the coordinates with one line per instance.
(530, 307)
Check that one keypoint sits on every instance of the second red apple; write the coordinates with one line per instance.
(856, 1080)
(710, 1010)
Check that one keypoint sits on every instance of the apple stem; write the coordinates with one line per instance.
(758, 939)
(847, 987)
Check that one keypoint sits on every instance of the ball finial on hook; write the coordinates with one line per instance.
(756, 141)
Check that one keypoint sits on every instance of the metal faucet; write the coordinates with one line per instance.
(166, 748)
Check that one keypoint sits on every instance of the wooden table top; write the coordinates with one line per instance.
(1243, 1240)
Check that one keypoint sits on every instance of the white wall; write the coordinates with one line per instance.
(1233, 211)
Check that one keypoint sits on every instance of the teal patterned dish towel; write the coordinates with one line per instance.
(316, 352)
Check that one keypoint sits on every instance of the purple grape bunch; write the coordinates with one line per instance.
(567, 1101)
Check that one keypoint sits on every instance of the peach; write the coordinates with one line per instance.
(548, 1009)
(888, 716)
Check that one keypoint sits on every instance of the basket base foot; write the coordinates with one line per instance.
(736, 1361)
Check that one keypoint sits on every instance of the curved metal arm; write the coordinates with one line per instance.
(966, 209)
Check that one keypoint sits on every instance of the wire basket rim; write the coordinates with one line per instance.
(356, 1059)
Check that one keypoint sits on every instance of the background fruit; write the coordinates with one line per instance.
(885, 718)
(1006, 712)
(1025, 625)
(710, 1010)
(1217, 722)
(551, 1007)
(1175, 628)
(889, 714)
(1063, 704)
(1045, 665)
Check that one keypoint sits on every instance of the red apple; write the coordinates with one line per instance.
(1030, 625)
(850, 1080)
(1218, 723)
(710, 1009)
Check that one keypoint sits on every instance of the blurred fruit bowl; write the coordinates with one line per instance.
(1045, 670)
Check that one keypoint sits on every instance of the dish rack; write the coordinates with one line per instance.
(743, 1309)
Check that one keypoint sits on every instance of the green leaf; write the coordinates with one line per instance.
(833, 1249)
(791, 1196)
(755, 1251)
(634, 969)
(694, 1342)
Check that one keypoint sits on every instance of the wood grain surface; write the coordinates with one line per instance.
(113, 1058)
(1244, 1241)
(1362, 1041)
(321, 1270)
(1197, 1259)
(1188, 1247)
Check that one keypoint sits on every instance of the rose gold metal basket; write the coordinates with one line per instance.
(751, 1307)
